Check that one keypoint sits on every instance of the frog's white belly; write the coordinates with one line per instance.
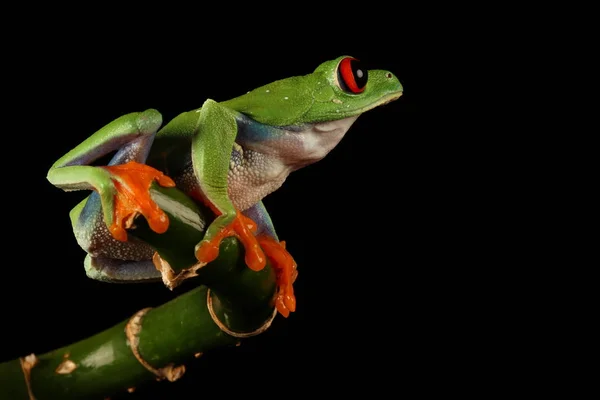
(259, 167)
(253, 175)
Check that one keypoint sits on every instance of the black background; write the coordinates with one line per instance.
(368, 225)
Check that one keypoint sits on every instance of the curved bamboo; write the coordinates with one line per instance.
(225, 303)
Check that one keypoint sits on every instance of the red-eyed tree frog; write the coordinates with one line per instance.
(228, 155)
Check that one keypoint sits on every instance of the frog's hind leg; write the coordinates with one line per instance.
(281, 260)
(123, 183)
(109, 259)
(120, 271)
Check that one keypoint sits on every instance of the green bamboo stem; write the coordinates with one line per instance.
(156, 343)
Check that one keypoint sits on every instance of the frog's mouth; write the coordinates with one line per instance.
(383, 101)
(360, 110)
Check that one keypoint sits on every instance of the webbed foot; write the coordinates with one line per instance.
(285, 267)
(243, 228)
(132, 183)
(258, 249)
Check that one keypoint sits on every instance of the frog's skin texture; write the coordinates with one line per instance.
(228, 155)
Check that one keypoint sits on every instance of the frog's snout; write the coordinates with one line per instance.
(394, 82)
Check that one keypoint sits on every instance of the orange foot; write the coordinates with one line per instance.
(244, 229)
(132, 182)
(285, 268)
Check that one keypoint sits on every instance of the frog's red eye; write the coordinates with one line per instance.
(352, 78)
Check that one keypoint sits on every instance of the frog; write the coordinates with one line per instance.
(227, 155)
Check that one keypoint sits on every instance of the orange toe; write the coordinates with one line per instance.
(132, 182)
(285, 269)
(257, 249)
(243, 228)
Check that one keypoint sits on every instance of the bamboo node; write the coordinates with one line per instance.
(66, 367)
(224, 328)
(27, 364)
(132, 330)
(172, 373)
(169, 278)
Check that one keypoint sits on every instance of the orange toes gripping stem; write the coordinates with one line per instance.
(285, 270)
(132, 182)
(243, 228)
(258, 249)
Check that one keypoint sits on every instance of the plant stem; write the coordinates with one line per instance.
(155, 343)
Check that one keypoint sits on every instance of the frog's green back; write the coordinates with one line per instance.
(279, 103)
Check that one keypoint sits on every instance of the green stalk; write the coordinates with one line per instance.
(156, 343)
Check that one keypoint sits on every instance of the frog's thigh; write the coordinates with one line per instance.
(120, 271)
(110, 259)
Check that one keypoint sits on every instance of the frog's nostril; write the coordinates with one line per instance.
(388, 75)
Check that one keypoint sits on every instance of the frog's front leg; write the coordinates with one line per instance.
(212, 144)
(99, 222)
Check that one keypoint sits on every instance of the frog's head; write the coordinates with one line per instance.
(346, 89)
(337, 89)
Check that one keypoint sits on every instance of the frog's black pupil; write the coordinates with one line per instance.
(360, 74)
